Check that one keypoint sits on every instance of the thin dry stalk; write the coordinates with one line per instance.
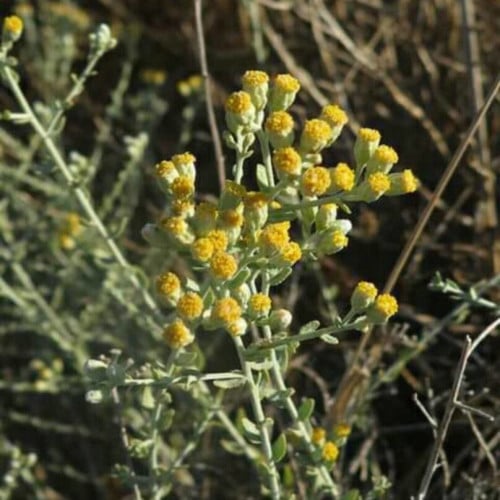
(451, 406)
(214, 130)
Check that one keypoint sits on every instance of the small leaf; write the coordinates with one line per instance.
(192, 285)
(262, 176)
(147, 399)
(240, 278)
(232, 447)
(266, 364)
(250, 429)
(231, 383)
(281, 276)
(306, 409)
(279, 448)
(329, 339)
(310, 327)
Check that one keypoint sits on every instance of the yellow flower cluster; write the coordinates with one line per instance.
(69, 230)
(244, 232)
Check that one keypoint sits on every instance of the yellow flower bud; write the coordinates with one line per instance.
(315, 136)
(382, 309)
(178, 335)
(256, 84)
(279, 128)
(315, 181)
(342, 177)
(287, 161)
(363, 296)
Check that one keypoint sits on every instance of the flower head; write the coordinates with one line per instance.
(279, 128)
(366, 143)
(379, 183)
(363, 296)
(403, 182)
(283, 92)
(287, 161)
(239, 103)
(342, 177)
(326, 216)
(259, 304)
(238, 327)
(315, 136)
(333, 242)
(184, 163)
(318, 435)
(178, 335)
(383, 308)
(219, 239)
(223, 265)
(168, 286)
(334, 115)
(342, 430)
(315, 181)
(330, 452)
(12, 27)
(202, 249)
(290, 253)
(183, 187)
(226, 311)
(256, 83)
(274, 237)
(190, 306)
(240, 111)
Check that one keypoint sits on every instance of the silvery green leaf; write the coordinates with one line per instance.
(279, 448)
(261, 174)
(230, 383)
(306, 409)
(329, 339)
(281, 276)
(310, 327)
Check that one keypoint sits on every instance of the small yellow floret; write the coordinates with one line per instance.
(386, 305)
(226, 310)
(343, 177)
(182, 207)
(275, 236)
(317, 130)
(206, 209)
(234, 189)
(291, 253)
(153, 76)
(409, 182)
(366, 290)
(219, 239)
(318, 435)
(177, 335)
(190, 306)
(183, 159)
(288, 161)
(164, 168)
(330, 452)
(202, 249)
(232, 218)
(379, 182)
(342, 430)
(183, 187)
(168, 284)
(255, 200)
(255, 78)
(223, 265)
(239, 103)
(334, 115)
(286, 83)
(175, 225)
(13, 25)
(369, 134)
(315, 181)
(279, 122)
(72, 224)
(260, 304)
(339, 239)
(385, 154)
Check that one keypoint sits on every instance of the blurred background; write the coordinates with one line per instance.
(416, 70)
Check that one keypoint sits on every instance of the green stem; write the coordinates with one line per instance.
(260, 417)
(80, 194)
(303, 428)
(266, 156)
